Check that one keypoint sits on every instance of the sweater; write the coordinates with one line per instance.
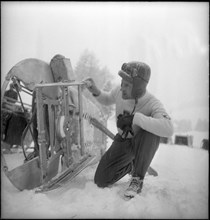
(149, 113)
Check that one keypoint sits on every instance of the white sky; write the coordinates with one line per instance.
(171, 37)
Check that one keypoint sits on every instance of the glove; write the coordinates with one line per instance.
(124, 121)
(91, 86)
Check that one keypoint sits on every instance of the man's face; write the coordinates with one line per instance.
(126, 88)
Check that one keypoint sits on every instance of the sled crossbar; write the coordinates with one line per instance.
(60, 84)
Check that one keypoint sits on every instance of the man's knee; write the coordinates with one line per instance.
(100, 180)
(147, 137)
(103, 175)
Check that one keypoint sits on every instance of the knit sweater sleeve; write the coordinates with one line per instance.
(108, 98)
(158, 122)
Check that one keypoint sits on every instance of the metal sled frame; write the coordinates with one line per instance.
(42, 171)
(63, 146)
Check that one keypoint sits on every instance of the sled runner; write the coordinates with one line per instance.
(54, 123)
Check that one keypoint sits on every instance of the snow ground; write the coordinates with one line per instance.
(180, 191)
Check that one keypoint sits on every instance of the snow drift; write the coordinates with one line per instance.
(179, 191)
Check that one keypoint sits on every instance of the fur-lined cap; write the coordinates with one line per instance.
(135, 69)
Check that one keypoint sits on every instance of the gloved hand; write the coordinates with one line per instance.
(124, 121)
(91, 86)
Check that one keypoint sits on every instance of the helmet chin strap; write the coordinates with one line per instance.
(136, 101)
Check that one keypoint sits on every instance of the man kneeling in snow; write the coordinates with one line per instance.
(141, 121)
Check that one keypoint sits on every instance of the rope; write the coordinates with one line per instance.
(25, 114)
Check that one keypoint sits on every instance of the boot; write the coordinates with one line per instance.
(134, 188)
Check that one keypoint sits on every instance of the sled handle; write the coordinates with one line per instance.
(60, 84)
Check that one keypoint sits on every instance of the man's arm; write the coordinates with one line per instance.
(105, 98)
(160, 125)
(158, 122)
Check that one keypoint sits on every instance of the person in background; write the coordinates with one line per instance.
(141, 120)
(10, 98)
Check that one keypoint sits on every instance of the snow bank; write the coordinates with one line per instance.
(180, 191)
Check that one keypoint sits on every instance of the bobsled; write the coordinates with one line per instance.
(64, 129)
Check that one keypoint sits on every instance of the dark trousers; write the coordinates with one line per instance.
(14, 127)
(118, 159)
